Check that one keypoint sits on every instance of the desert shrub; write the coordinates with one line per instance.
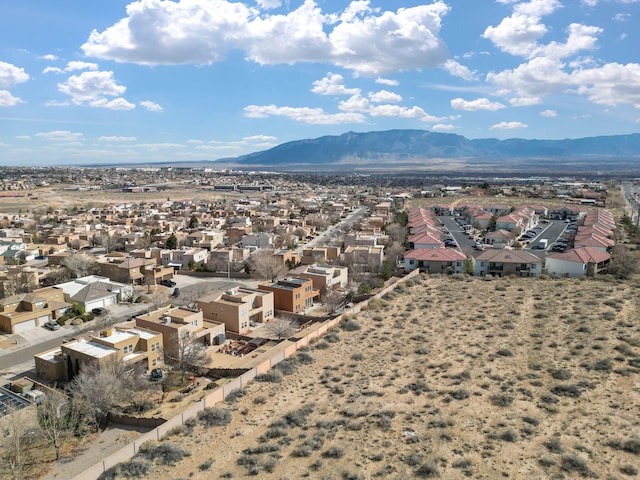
(215, 417)
(302, 451)
(271, 376)
(566, 391)
(206, 465)
(357, 356)
(505, 352)
(631, 445)
(573, 463)
(260, 400)
(235, 395)
(460, 394)
(509, 435)
(501, 400)
(287, 366)
(322, 345)
(298, 418)
(413, 460)
(421, 351)
(304, 358)
(272, 432)
(461, 463)
(333, 452)
(628, 470)
(350, 326)
(428, 470)
(337, 389)
(332, 337)
(259, 450)
(163, 453)
(561, 374)
(176, 397)
(531, 421)
(134, 468)
(352, 476)
(179, 430)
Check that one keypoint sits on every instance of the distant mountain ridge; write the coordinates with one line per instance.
(391, 146)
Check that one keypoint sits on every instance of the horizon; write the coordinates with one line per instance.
(88, 84)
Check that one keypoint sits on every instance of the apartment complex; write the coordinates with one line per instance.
(238, 307)
(292, 294)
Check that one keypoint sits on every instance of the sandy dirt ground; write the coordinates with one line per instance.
(450, 377)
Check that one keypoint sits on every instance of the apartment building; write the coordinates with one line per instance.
(292, 294)
(238, 308)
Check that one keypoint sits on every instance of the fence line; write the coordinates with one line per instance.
(218, 395)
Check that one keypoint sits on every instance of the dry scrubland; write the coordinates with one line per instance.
(449, 377)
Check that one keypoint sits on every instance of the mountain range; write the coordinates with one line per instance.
(429, 151)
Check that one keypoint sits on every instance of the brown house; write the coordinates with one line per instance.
(30, 310)
(238, 308)
(292, 294)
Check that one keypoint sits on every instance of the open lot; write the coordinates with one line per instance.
(455, 377)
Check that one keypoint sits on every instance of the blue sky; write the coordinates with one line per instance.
(156, 80)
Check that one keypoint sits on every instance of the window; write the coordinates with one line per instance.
(195, 323)
(128, 348)
(155, 346)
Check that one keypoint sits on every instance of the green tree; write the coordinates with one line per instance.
(402, 218)
(172, 241)
(387, 270)
(491, 225)
(193, 222)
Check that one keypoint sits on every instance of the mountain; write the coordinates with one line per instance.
(397, 148)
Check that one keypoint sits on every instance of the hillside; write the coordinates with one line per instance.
(398, 147)
(451, 377)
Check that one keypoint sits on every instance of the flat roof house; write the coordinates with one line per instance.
(237, 307)
(292, 294)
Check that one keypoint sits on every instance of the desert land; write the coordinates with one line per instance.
(450, 377)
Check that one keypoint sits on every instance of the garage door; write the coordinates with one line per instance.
(109, 301)
(24, 326)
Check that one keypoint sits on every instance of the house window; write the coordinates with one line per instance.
(128, 348)
(195, 323)
(154, 362)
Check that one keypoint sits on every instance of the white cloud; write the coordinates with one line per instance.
(355, 103)
(333, 84)
(315, 116)
(8, 100)
(151, 106)
(621, 17)
(508, 125)
(611, 84)
(91, 88)
(11, 75)
(384, 96)
(525, 101)
(259, 139)
(387, 81)
(268, 4)
(476, 105)
(359, 38)
(23, 137)
(441, 127)
(397, 111)
(72, 67)
(49, 57)
(517, 34)
(457, 70)
(117, 139)
(60, 136)
(549, 113)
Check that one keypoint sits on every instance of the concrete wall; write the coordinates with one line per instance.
(218, 395)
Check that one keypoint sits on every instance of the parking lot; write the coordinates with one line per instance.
(550, 231)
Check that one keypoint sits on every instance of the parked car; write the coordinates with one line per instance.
(168, 283)
(51, 325)
(98, 311)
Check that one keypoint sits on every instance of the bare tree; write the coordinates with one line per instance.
(15, 429)
(56, 419)
(159, 297)
(98, 389)
(192, 294)
(332, 299)
(190, 354)
(80, 264)
(396, 233)
(624, 262)
(280, 328)
(19, 282)
(265, 265)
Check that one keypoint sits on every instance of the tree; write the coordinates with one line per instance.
(172, 242)
(19, 282)
(332, 299)
(396, 233)
(265, 265)
(624, 262)
(280, 328)
(56, 418)
(15, 428)
(402, 218)
(190, 354)
(79, 264)
(193, 222)
(387, 270)
(97, 390)
(491, 224)
(159, 297)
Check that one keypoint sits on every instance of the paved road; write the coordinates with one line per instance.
(465, 244)
(551, 231)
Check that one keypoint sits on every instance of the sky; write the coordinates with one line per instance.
(107, 82)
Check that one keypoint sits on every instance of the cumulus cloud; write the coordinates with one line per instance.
(457, 70)
(117, 139)
(384, 96)
(260, 138)
(268, 4)
(93, 88)
(442, 127)
(49, 57)
(549, 113)
(524, 101)
(151, 106)
(11, 75)
(508, 125)
(315, 116)
(476, 105)
(359, 38)
(60, 136)
(333, 84)
(8, 100)
(387, 81)
(72, 67)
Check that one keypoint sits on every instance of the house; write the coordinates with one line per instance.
(435, 260)
(324, 277)
(176, 322)
(256, 240)
(319, 255)
(294, 295)
(577, 262)
(238, 308)
(499, 239)
(503, 262)
(123, 269)
(425, 240)
(94, 291)
(567, 212)
(25, 311)
(510, 222)
(369, 257)
(133, 346)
